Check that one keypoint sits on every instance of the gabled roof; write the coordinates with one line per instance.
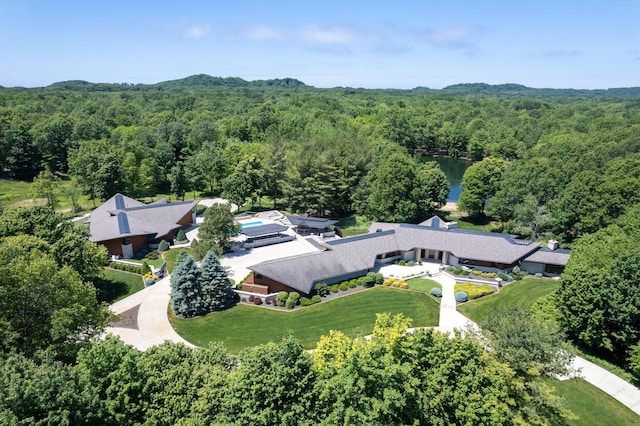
(122, 216)
(358, 253)
(311, 222)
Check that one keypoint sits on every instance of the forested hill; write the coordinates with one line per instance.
(204, 81)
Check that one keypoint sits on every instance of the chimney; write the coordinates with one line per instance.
(552, 244)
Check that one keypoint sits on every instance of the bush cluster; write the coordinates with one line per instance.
(479, 273)
(474, 291)
(281, 298)
(127, 268)
(392, 282)
(305, 301)
(503, 276)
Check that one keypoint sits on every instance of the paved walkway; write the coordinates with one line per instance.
(609, 383)
(153, 322)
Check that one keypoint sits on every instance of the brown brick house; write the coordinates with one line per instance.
(126, 226)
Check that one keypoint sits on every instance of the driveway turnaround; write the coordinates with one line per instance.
(153, 327)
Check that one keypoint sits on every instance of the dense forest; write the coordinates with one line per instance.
(561, 164)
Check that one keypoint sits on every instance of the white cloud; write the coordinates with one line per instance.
(197, 31)
(329, 35)
(462, 37)
(264, 32)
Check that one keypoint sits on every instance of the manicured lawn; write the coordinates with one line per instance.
(246, 325)
(424, 285)
(171, 256)
(593, 406)
(116, 285)
(519, 293)
(155, 263)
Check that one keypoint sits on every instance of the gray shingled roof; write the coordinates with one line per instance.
(550, 257)
(352, 254)
(268, 229)
(122, 216)
(311, 222)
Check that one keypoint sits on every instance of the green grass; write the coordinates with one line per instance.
(16, 193)
(593, 406)
(354, 225)
(424, 285)
(245, 325)
(155, 263)
(116, 285)
(519, 293)
(171, 256)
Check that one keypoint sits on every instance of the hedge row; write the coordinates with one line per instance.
(128, 268)
(474, 290)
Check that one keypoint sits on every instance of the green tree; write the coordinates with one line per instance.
(216, 229)
(217, 293)
(44, 185)
(479, 183)
(185, 294)
(597, 298)
(281, 396)
(98, 167)
(179, 182)
(41, 303)
(45, 391)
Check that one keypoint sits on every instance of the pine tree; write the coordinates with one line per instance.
(216, 290)
(185, 287)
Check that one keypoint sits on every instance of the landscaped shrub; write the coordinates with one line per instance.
(474, 291)
(435, 291)
(396, 283)
(290, 303)
(503, 276)
(145, 267)
(517, 273)
(388, 282)
(404, 285)
(450, 269)
(401, 262)
(411, 263)
(163, 246)
(152, 255)
(334, 288)
(148, 282)
(464, 272)
(315, 299)
(419, 261)
(359, 280)
(305, 302)
(476, 272)
(368, 281)
(281, 298)
(180, 237)
(295, 296)
(352, 284)
(194, 244)
(461, 296)
(343, 287)
(457, 271)
(538, 275)
(322, 289)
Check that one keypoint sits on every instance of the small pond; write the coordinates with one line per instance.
(454, 168)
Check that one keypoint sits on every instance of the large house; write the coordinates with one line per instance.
(432, 241)
(126, 226)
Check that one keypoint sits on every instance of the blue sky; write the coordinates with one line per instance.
(372, 44)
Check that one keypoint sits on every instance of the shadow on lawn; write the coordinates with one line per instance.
(109, 291)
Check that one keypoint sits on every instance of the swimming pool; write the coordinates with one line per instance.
(255, 223)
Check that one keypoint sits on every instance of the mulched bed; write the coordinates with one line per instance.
(129, 319)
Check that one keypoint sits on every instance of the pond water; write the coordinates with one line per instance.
(454, 168)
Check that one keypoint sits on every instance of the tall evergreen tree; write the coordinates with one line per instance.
(216, 290)
(185, 294)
